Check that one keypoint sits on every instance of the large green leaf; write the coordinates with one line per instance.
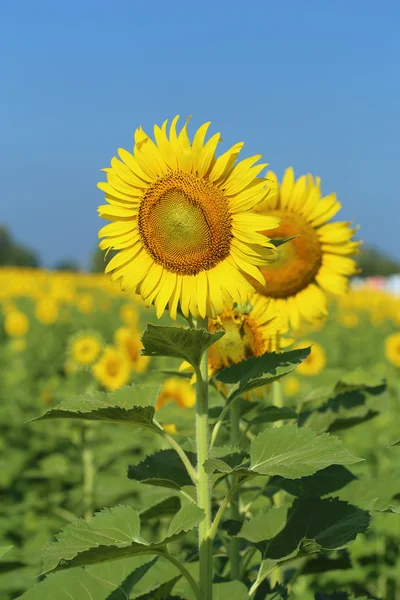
(260, 370)
(326, 481)
(265, 526)
(112, 534)
(178, 342)
(270, 414)
(292, 452)
(164, 469)
(343, 406)
(134, 405)
(107, 581)
(312, 525)
(234, 590)
(380, 493)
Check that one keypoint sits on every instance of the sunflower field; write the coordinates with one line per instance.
(217, 415)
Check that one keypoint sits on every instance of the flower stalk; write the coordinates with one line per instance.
(204, 480)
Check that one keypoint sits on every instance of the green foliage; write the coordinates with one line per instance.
(164, 468)
(178, 342)
(292, 452)
(112, 534)
(133, 405)
(13, 254)
(260, 371)
(374, 262)
(308, 526)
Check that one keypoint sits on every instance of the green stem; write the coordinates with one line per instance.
(183, 456)
(88, 474)
(234, 554)
(204, 480)
(277, 400)
(224, 504)
(184, 572)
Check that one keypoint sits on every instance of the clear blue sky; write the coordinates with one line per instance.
(310, 83)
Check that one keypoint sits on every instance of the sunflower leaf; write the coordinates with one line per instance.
(133, 405)
(111, 534)
(164, 469)
(293, 453)
(260, 370)
(310, 525)
(178, 342)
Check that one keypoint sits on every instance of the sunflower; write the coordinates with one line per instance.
(129, 315)
(315, 361)
(178, 390)
(113, 369)
(128, 341)
(16, 323)
(248, 331)
(315, 262)
(84, 348)
(85, 303)
(348, 319)
(291, 385)
(392, 348)
(182, 224)
(46, 310)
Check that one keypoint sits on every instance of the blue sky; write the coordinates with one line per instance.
(312, 84)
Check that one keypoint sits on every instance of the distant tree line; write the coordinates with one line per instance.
(371, 261)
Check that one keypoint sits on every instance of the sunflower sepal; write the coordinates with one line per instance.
(178, 342)
(280, 241)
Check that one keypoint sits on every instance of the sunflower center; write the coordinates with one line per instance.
(298, 261)
(113, 368)
(184, 223)
(242, 339)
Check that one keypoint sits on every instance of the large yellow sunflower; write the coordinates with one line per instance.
(182, 224)
(317, 260)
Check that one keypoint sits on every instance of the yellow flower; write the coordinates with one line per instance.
(291, 385)
(178, 390)
(85, 303)
(315, 362)
(349, 319)
(113, 369)
(317, 261)
(129, 315)
(46, 310)
(16, 324)
(248, 331)
(128, 341)
(392, 348)
(170, 428)
(182, 222)
(84, 348)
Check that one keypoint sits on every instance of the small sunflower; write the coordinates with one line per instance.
(350, 320)
(291, 385)
(315, 361)
(392, 348)
(85, 303)
(182, 222)
(129, 315)
(46, 310)
(113, 369)
(317, 261)
(16, 323)
(178, 390)
(248, 331)
(84, 348)
(128, 341)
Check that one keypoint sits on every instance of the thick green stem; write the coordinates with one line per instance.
(277, 400)
(88, 474)
(204, 481)
(234, 555)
